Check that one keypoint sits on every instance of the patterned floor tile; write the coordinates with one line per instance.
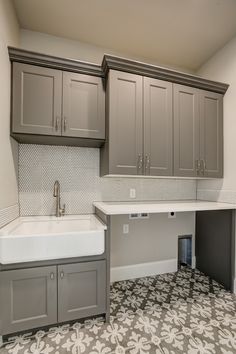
(181, 312)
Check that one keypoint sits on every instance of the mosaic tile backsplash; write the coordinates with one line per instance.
(77, 170)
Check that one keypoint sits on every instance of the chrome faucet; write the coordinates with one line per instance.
(57, 194)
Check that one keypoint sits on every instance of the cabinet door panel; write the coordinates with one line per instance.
(81, 290)
(28, 299)
(186, 130)
(37, 95)
(158, 127)
(125, 123)
(83, 106)
(211, 133)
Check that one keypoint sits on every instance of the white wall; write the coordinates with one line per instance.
(222, 67)
(9, 35)
(45, 43)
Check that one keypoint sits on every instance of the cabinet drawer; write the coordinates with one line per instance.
(28, 299)
(81, 290)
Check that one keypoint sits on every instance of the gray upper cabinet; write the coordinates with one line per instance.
(139, 121)
(198, 133)
(123, 152)
(158, 126)
(28, 299)
(186, 131)
(36, 98)
(83, 106)
(48, 102)
(211, 134)
(81, 290)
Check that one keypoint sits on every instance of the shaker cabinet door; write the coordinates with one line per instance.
(186, 131)
(37, 95)
(211, 133)
(81, 290)
(158, 126)
(83, 106)
(28, 299)
(125, 138)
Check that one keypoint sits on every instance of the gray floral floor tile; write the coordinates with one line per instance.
(182, 312)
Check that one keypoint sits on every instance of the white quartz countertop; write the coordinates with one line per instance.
(119, 208)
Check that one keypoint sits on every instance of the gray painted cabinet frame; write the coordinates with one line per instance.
(28, 298)
(44, 295)
(139, 126)
(198, 133)
(81, 290)
(186, 131)
(61, 105)
(36, 100)
(158, 127)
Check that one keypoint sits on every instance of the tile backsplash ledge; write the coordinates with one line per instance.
(77, 170)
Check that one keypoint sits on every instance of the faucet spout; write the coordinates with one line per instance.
(57, 194)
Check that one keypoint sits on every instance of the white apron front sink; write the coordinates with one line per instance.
(29, 239)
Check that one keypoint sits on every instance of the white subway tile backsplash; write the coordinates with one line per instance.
(77, 170)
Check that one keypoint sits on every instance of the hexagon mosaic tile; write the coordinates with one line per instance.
(77, 170)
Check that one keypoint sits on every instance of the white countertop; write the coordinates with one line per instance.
(119, 208)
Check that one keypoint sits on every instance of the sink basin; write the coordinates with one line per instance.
(30, 239)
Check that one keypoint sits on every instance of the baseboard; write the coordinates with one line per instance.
(143, 269)
(234, 289)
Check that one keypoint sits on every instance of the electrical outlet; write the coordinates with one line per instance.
(144, 216)
(125, 228)
(172, 215)
(133, 216)
(132, 193)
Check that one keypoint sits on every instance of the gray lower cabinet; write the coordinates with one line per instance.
(81, 290)
(36, 297)
(158, 127)
(48, 102)
(28, 299)
(83, 106)
(198, 133)
(36, 100)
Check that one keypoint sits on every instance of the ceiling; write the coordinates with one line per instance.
(183, 33)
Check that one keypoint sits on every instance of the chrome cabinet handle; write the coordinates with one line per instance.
(62, 275)
(147, 164)
(52, 276)
(140, 162)
(198, 166)
(57, 124)
(203, 166)
(65, 124)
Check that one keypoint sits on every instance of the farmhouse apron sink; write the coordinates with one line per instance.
(29, 239)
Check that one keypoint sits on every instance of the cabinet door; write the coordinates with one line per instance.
(186, 131)
(28, 299)
(37, 95)
(125, 123)
(211, 133)
(158, 127)
(83, 106)
(81, 290)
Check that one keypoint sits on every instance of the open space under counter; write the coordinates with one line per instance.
(214, 231)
